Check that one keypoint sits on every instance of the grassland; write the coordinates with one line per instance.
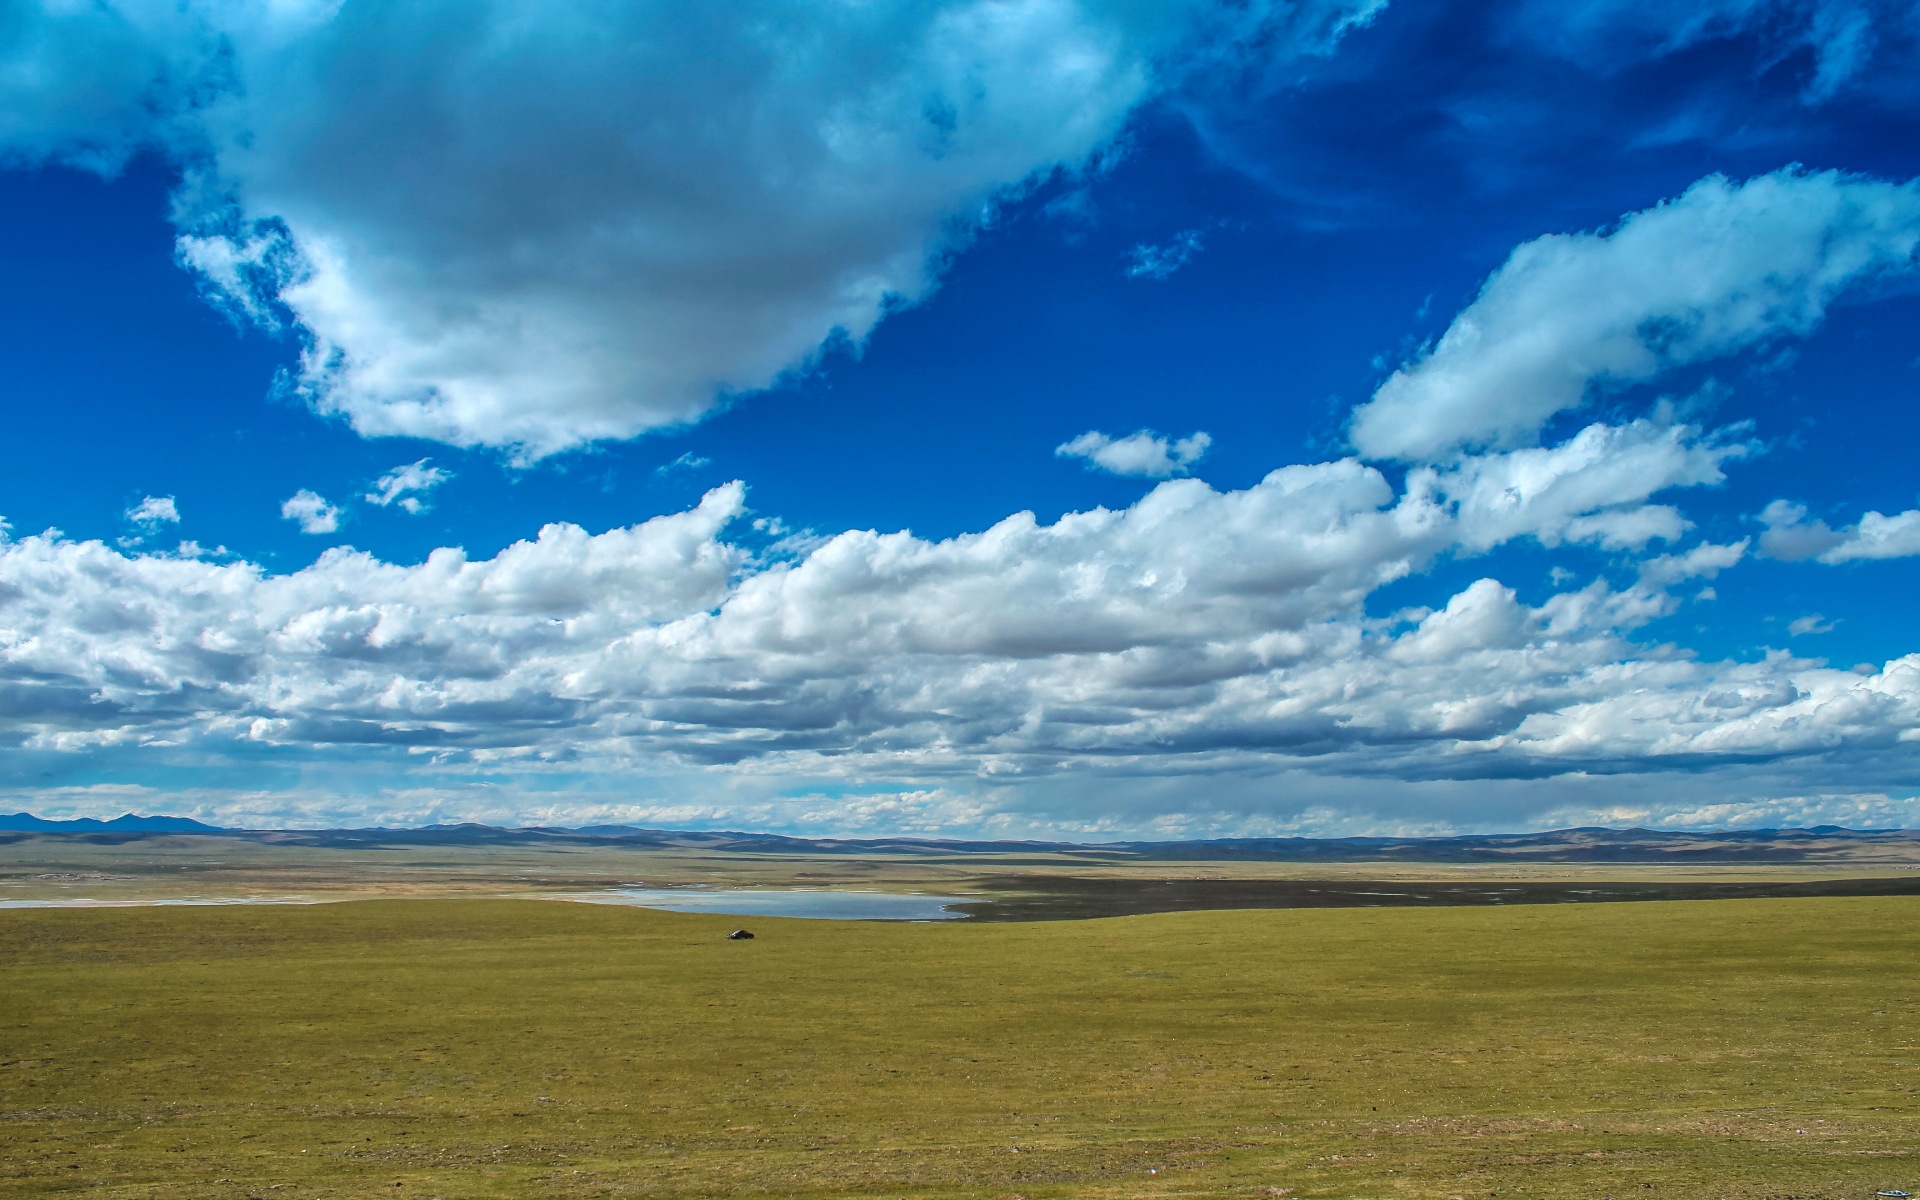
(178, 867)
(490, 1048)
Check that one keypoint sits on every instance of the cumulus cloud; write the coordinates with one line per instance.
(1592, 488)
(155, 511)
(1722, 268)
(312, 511)
(1792, 536)
(1222, 635)
(538, 233)
(1145, 454)
(407, 486)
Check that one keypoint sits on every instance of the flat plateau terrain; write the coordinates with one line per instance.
(514, 1048)
(1023, 884)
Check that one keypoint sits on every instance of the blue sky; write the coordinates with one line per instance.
(1011, 417)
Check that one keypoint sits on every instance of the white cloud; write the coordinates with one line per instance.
(312, 511)
(155, 511)
(1722, 268)
(1702, 562)
(1811, 623)
(533, 234)
(688, 461)
(407, 486)
(1790, 535)
(1160, 262)
(1592, 488)
(1195, 635)
(1145, 454)
(1880, 536)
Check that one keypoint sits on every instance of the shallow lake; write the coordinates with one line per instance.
(824, 904)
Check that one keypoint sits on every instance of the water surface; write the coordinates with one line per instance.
(824, 904)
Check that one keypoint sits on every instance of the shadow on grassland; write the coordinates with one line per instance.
(1052, 898)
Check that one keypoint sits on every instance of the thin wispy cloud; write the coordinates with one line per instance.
(408, 486)
(1146, 261)
(688, 461)
(1810, 624)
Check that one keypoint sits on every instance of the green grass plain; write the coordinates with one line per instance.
(500, 1048)
(40, 868)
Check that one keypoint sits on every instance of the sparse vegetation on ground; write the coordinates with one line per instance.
(483, 1048)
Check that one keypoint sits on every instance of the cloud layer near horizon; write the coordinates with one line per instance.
(1198, 632)
(537, 228)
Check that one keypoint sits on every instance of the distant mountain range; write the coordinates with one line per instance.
(28, 823)
(1828, 843)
